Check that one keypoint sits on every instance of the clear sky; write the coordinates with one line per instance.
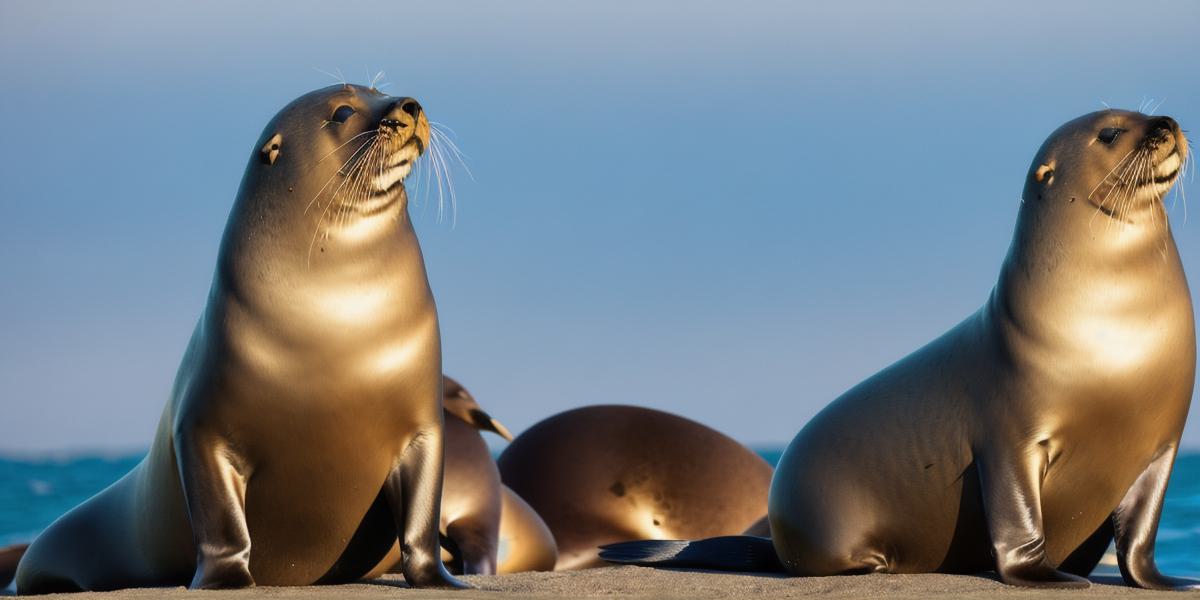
(733, 211)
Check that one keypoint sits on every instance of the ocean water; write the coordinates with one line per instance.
(35, 492)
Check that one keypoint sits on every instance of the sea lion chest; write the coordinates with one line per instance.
(1106, 360)
(324, 376)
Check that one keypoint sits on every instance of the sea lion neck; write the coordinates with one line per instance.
(280, 271)
(1095, 290)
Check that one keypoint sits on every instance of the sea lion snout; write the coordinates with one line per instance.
(406, 117)
(1163, 124)
(1160, 130)
(1167, 145)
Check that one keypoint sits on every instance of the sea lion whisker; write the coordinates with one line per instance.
(458, 154)
(449, 185)
(421, 183)
(1125, 188)
(429, 173)
(338, 78)
(1100, 208)
(1130, 190)
(375, 79)
(1180, 191)
(341, 214)
(348, 179)
(1110, 172)
(1147, 168)
(451, 196)
(441, 125)
(435, 166)
(334, 175)
(344, 144)
(318, 230)
(362, 187)
(449, 142)
(438, 179)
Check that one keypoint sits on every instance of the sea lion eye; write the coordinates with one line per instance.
(342, 113)
(1108, 135)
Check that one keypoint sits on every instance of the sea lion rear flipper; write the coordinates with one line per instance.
(726, 553)
(1135, 523)
(1011, 484)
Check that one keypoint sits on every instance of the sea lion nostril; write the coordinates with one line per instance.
(1164, 124)
(411, 107)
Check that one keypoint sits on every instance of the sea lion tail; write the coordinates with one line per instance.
(725, 553)
(9, 558)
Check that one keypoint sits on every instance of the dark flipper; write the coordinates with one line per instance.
(414, 491)
(9, 557)
(1135, 524)
(726, 553)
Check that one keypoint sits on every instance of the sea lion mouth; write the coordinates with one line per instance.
(396, 165)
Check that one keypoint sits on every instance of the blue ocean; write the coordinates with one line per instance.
(34, 492)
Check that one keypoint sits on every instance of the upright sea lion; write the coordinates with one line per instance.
(1023, 438)
(306, 415)
(602, 474)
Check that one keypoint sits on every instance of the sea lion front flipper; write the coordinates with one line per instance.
(414, 492)
(215, 491)
(1135, 525)
(1011, 482)
(475, 541)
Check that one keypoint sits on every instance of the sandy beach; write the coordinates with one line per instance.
(640, 582)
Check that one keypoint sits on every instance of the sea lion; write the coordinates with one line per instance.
(1024, 437)
(491, 528)
(602, 474)
(485, 527)
(306, 414)
(471, 497)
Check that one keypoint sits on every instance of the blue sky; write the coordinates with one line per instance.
(732, 211)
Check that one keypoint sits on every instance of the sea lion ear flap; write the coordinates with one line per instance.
(1043, 174)
(270, 150)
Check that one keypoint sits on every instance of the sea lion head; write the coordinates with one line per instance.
(1120, 162)
(457, 401)
(334, 158)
